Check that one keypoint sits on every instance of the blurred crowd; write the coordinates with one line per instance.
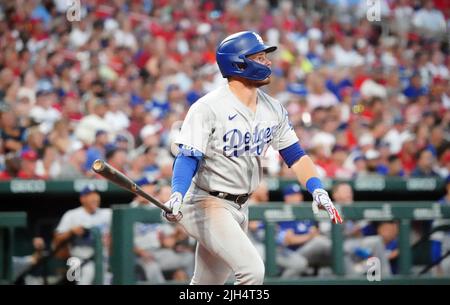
(366, 95)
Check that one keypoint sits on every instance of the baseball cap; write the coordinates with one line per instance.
(100, 132)
(109, 148)
(75, 146)
(358, 158)
(99, 101)
(314, 34)
(149, 130)
(44, 86)
(121, 138)
(44, 91)
(366, 139)
(29, 155)
(292, 189)
(145, 181)
(136, 100)
(372, 154)
(90, 188)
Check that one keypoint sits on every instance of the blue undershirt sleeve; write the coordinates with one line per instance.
(292, 153)
(184, 169)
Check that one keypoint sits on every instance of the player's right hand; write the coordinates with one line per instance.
(174, 203)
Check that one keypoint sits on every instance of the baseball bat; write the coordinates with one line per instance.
(106, 170)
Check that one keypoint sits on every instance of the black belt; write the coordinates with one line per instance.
(239, 199)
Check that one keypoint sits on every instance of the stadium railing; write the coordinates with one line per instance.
(404, 212)
(70, 187)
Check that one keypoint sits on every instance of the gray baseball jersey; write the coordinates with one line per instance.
(233, 139)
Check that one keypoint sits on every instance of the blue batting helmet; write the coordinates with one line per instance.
(232, 56)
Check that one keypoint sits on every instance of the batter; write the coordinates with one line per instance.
(222, 141)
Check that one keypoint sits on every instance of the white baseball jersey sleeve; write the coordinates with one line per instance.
(233, 139)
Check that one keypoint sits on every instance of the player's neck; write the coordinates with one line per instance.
(247, 95)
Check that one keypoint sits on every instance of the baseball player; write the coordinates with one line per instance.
(222, 141)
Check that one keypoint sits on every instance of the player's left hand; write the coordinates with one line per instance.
(321, 200)
(174, 203)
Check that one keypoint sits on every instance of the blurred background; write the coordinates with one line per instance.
(366, 85)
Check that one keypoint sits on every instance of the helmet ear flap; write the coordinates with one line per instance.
(240, 65)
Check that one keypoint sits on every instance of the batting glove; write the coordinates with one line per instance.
(174, 203)
(321, 200)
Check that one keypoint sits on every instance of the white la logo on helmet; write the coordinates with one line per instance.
(258, 37)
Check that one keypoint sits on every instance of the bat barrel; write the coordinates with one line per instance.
(98, 166)
(110, 173)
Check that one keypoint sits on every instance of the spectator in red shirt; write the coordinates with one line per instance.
(28, 165)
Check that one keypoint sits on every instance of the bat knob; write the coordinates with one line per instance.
(98, 165)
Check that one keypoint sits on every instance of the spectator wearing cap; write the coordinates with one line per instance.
(151, 167)
(385, 152)
(117, 158)
(425, 164)
(74, 226)
(360, 166)
(28, 163)
(415, 88)
(97, 150)
(150, 135)
(373, 162)
(44, 112)
(74, 165)
(394, 137)
(23, 106)
(115, 117)
(122, 142)
(395, 167)
(292, 194)
(91, 123)
(35, 140)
